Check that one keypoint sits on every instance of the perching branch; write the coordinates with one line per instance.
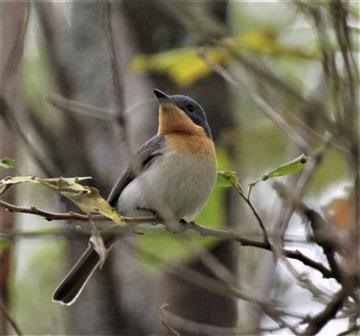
(204, 231)
(50, 216)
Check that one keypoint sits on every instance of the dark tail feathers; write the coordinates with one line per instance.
(70, 288)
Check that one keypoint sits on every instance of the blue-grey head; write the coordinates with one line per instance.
(188, 105)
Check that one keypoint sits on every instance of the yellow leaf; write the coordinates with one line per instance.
(266, 43)
(184, 66)
(88, 199)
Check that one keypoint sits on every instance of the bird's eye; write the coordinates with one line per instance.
(190, 108)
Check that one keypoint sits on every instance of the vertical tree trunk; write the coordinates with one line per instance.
(12, 27)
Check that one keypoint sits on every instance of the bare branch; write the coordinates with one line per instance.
(50, 216)
(204, 231)
(319, 321)
(165, 322)
(115, 74)
(73, 106)
(190, 326)
(239, 190)
(11, 320)
(230, 235)
(275, 116)
(8, 115)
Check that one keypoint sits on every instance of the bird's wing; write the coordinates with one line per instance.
(143, 158)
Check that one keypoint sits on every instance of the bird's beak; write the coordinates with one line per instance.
(161, 97)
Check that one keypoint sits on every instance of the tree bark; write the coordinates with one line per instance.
(13, 19)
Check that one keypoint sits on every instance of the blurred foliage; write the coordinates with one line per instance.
(332, 169)
(4, 244)
(342, 209)
(32, 283)
(261, 144)
(38, 83)
(271, 31)
(184, 66)
(6, 163)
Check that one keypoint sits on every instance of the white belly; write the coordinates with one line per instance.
(173, 185)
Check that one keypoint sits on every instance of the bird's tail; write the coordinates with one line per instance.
(70, 288)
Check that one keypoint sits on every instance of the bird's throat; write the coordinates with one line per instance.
(174, 120)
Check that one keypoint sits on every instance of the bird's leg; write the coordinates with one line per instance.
(176, 226)
(160, 219)
(171, 225)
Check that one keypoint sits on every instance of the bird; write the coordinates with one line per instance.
(171, 176)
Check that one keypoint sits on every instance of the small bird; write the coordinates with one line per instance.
(171, 176)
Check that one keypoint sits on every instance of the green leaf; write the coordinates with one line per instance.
(6, 163)
(290, 167)
(226, 179)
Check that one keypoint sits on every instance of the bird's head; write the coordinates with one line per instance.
(180, 113)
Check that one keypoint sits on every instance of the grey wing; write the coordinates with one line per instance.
(143, 158)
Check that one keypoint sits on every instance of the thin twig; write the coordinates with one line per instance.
(322, 236)
(91, 111)
(50, 216)
(74, 106)
(8, 115)
(204, 231)
(165, 322)
(230, 235)
(319, 321)
(115, 75)
(239, 190)
(210, 284)
(274, 115)
(10, 320)
(190, 326)
(16, 53)
(217, 268)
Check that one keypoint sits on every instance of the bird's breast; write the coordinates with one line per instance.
(179, 181)
(197, 146)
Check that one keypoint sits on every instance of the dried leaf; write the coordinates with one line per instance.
(88, 199)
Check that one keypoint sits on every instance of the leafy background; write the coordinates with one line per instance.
(277, 34)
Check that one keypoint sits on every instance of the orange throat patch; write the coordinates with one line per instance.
(182, 133)
(174, 120)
